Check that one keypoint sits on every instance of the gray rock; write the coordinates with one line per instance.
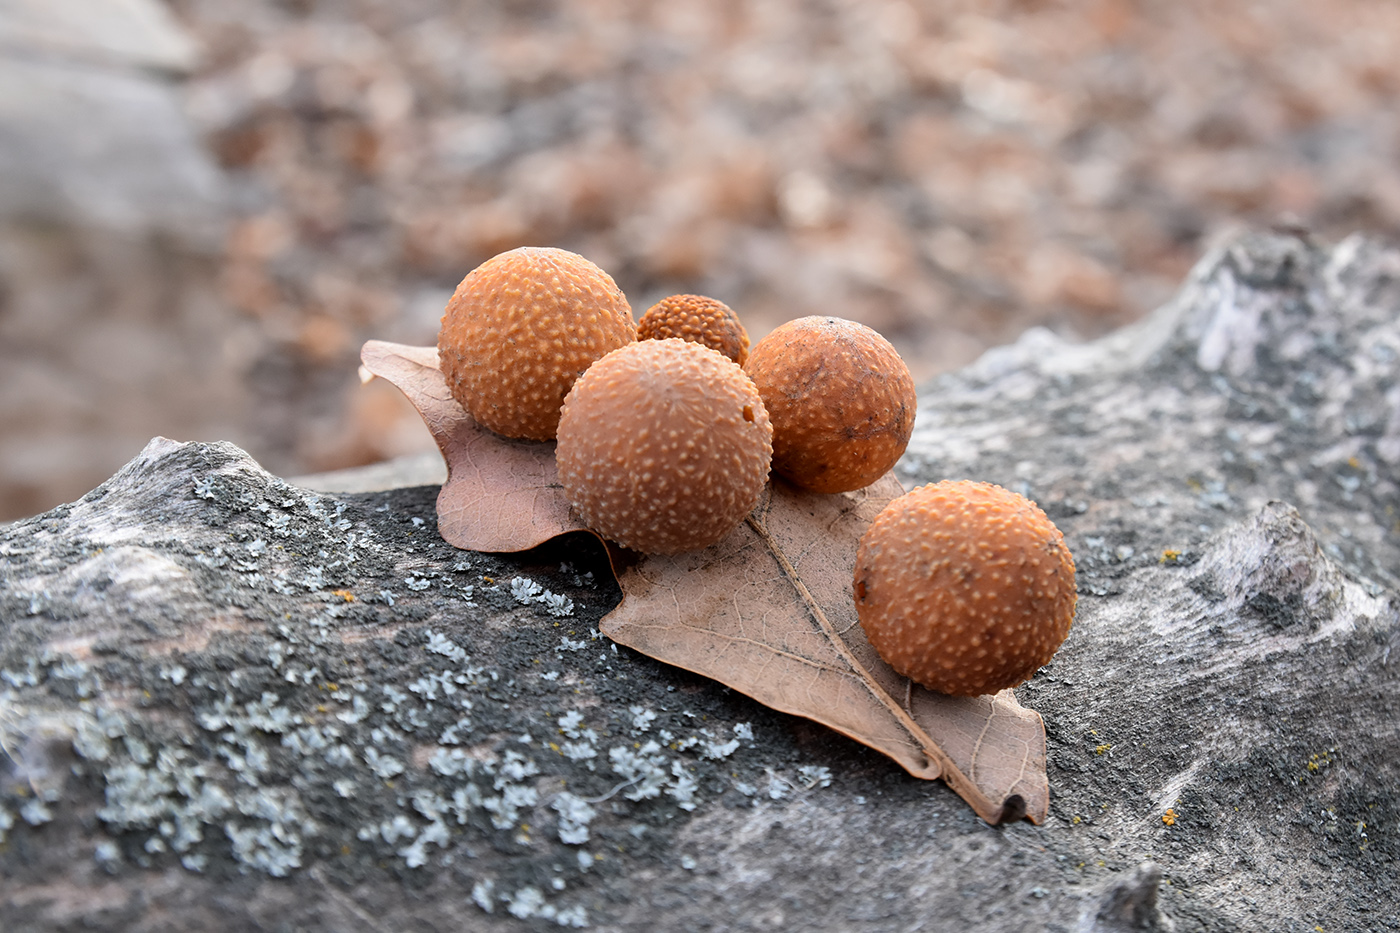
(425, 469)
(125, 33)
(239, 704)
(1128, 905)
(112, 221)
(93, 131)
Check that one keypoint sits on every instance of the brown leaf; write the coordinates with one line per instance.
(500, 494)
(769, 612)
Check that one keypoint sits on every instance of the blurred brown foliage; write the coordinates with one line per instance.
(947, 172)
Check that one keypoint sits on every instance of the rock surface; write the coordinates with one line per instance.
(112, 214)
(94, 128)
(228, 702)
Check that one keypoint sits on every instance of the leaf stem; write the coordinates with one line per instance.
(951, 774)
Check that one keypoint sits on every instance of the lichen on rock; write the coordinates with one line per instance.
(208, 676)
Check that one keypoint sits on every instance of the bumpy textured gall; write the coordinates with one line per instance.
(700, 320)
(664, 446)
(964, 587)
(841, 400)
(521, 328)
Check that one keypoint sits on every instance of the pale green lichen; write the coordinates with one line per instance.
(277, 740)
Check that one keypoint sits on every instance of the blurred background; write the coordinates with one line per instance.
(206, 207)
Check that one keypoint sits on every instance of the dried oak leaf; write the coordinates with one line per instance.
(500, 494)
(767, 611)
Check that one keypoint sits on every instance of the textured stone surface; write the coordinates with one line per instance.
(231, 702)
(127, 33)
(111, 213)
(92, 128)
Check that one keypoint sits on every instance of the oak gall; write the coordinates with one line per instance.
(698, 319)
(841, 400)
(964, 587)
(664, 446)
(521, 328)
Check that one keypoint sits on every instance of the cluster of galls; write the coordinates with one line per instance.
(667, 431)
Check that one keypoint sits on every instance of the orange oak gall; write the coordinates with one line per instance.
(964, 587)
(664, 446)
(841, 400)
(697, 319)
(521, 328)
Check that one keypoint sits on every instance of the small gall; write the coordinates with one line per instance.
(841, 400)
(966, 588)
(521, 328)
(664, 446)
(700, 320)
